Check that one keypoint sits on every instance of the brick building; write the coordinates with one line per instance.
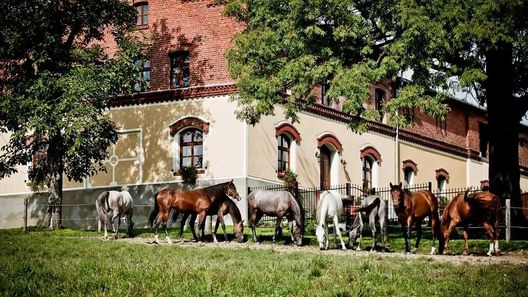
(184, 116)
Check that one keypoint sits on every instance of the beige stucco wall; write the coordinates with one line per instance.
(144, 152)
(428, 161)
(262, 153)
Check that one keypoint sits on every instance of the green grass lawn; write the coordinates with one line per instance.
(79, 263)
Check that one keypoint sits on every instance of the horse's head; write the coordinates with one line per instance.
(239, 231)
(321, 237)
(231, 191)
(396, 194)
(354, 233)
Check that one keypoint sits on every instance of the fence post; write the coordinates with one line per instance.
(25, 213)
(430, 184)
(348, 190)
(508, 220)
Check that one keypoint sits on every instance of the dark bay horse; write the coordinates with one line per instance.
(197, 201)
(411, 208)
(277, 204)
(111, 206)
(226, 207)
(478, 208)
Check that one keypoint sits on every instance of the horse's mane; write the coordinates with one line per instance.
(213, 190)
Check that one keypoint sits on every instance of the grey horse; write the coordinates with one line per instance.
(277, 204)
(111, 206)
(371, 207)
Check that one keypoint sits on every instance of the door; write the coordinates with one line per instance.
(326, 156)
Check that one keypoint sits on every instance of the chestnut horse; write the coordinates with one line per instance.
(226, 207)
(411, 208)
(478, 208)
(197, 201)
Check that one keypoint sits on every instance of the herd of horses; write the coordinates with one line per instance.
(411, 209)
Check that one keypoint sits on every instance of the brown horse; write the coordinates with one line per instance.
(478, 208)
(197, 201)
(226, 207)
(412, 208)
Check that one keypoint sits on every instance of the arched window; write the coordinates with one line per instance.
(283, 153)
(142, 13)
(410, 169)
(371, 161)
(442, 179)
(188, 136)
(191, 148)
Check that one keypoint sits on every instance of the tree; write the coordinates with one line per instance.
(56, 81)
(289, 47)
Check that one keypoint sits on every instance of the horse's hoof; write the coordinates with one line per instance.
(358, 249)
(344, 248)
(414, 250)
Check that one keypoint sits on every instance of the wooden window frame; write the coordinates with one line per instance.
(181, 61)
(191, 144)
(283, 165)
(144, 85)
(142, 17)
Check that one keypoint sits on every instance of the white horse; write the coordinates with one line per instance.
(330, 206)
(371, 207)
(111, 206)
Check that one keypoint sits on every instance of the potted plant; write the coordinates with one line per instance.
(189, 174)
(289, 179)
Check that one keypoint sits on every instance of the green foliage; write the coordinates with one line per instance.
(189, 174)
(289, 179)
(289, 47)
(57, 80)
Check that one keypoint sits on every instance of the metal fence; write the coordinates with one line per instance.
(308, 198)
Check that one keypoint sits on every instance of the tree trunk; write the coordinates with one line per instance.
(53, 219)
(503, 125)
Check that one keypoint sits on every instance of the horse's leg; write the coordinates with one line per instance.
(164, 217)
(327, 234)
(277, 227)
(192, 225)
(116, 224)
(216, 229)
(130, 223)
(465, 235)
(489, 230)
(406, 234)
(201, 225)
(447, 234)
(496, 228)
(338, 232)
(434, 223)
(360, 231)
(418, 235)
(372, 224)
(383, 230)
(290, 227)
(253, 220)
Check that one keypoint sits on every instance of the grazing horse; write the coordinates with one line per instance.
(197, 201)
(226, 207)
(330, 205)
(111, 205)
(411, 208)
(371, 207)
(478, 208)
(277, 204)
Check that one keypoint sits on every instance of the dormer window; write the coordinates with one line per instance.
(179, 72)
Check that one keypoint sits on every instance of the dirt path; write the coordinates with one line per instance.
(516, 258)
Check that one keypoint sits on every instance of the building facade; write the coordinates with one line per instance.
(183, 115)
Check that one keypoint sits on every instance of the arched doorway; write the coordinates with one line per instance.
(326, 157)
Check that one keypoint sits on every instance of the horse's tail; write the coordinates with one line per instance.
(101, 204)
(175, 215)
(155, 211)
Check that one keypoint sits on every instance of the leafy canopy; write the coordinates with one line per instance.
(57, 79)
(290, 47)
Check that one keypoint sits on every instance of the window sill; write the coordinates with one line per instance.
(177, 173)
(142, 27)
